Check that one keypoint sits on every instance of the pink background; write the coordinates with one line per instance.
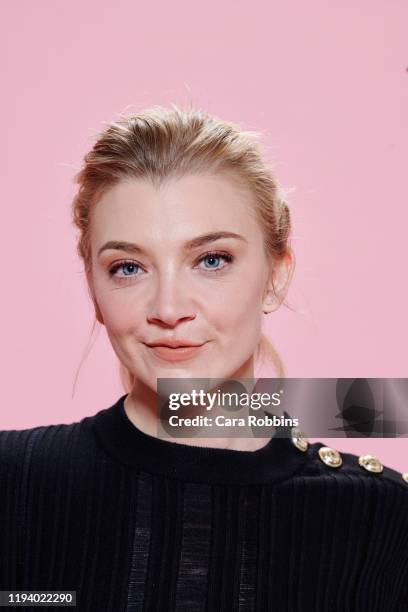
(327, 85)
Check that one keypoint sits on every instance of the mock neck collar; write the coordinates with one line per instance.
(127, 444)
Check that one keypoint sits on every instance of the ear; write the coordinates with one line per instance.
(91, 290)
(278, 282)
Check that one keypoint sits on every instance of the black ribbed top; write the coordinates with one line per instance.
(135, 523)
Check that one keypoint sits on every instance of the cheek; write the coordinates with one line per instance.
(237, 306)
(120, 314)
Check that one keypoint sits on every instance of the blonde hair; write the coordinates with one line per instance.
(160, 144)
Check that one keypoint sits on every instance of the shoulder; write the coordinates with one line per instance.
(352, 508)
(23, 449)
(352, 470)
(353, 495)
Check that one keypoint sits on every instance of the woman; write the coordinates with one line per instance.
(184, 237)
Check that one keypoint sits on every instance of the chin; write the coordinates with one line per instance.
(181, 373)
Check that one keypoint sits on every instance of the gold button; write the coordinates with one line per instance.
(370, 463)
(330, 456)
(299, 439)
(405, 477)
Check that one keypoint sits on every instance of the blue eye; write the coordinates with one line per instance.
(214, 257)
(123, 265)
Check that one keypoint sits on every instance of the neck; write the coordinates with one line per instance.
(141, 407)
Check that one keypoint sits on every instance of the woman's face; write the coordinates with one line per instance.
(179, 278)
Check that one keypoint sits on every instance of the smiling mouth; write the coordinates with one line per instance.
(181, 353)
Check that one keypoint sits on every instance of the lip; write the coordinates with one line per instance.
(181, 353)
(173, 343)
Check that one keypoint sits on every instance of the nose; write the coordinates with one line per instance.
(170, 303)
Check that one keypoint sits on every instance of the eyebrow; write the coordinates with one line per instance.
(131, 247)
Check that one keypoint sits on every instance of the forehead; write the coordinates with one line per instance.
(177, 211)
